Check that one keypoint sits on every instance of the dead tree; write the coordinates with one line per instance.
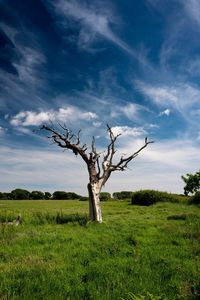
(99, 167)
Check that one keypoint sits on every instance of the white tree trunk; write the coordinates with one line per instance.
(94, 202)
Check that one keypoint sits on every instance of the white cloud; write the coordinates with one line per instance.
(159, 166)
(183, 97)
(165, 112)
(128, 131)
(153, 126)
(133, 110)
(27, 118)
(42, 169)
(159, 94)
(70, 113)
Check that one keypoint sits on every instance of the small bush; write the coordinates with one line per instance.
(84, 199)
(149, 197)
(196, 198)
(104, 196)
(122, 195)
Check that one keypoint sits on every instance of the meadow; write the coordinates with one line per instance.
(138, 252)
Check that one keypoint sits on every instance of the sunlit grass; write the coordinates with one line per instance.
(147, 252)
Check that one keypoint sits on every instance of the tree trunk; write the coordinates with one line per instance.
(94, 202)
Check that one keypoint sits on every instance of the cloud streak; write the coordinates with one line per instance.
(95, 22)
(184, 98)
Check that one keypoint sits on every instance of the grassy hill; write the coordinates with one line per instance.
(137, 253)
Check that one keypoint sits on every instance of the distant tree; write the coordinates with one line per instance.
(104, 196)
(7, 196)
(20, 194)
(99, 167)
(36, 195)
(60, 195)
(47, 195)
(73, 196)
(122, 195)
(192, 183)
(2, 196)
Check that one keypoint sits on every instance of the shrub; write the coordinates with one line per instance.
(47, 195)
(149, 197)
(104, 196)
(195, 199)
(84, 199)
(2, 196)
(61, 195)
(122, 195)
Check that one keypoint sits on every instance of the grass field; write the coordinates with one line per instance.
(137, 251)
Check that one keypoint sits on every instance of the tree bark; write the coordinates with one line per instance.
(94, 202)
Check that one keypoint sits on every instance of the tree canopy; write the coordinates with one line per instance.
(192, 183)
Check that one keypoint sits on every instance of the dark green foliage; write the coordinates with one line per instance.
(36, 195)
(84, 199)
(104, 196)
(40, 218)
(61, 195)
(64, 219)
(3, 196)
(192, 183)
(47, 195)
(196, 198)
(149, 197)
(122, 195)
(177, 217)
(20, 194)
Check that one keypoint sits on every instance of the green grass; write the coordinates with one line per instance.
(137, 253)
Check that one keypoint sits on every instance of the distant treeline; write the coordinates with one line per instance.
(21, 194)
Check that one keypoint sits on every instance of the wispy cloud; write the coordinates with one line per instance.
(184, 97)
(192, 10)
(95, 22)
(27, 60)
(21, 87)
(2, 131)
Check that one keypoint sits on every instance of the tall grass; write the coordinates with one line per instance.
(137, 253)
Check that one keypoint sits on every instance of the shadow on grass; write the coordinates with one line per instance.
(58, 218)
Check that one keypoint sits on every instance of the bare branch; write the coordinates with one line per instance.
(123, 163)
(65, 140)
(110, 149)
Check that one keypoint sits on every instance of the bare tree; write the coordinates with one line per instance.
(99, 166)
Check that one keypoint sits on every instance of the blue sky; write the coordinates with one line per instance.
(132, 64)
